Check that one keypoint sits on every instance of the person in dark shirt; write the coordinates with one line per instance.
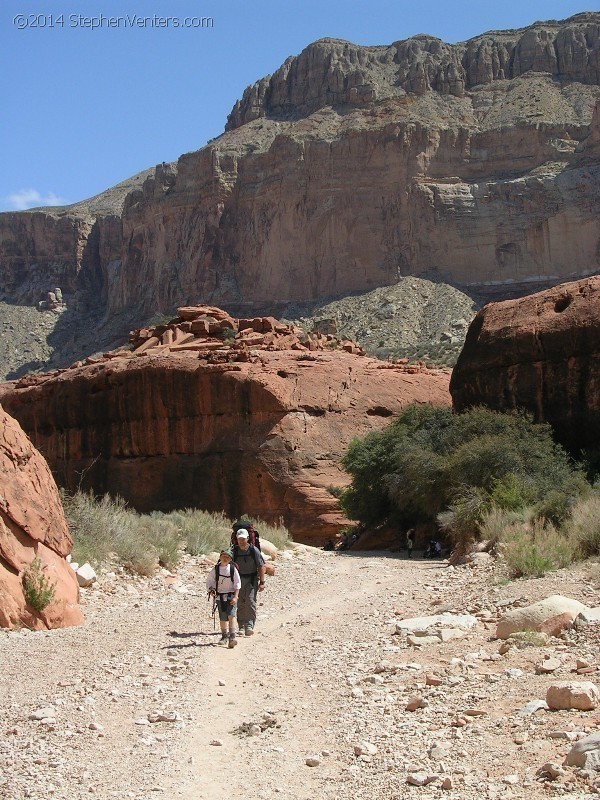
(251, 565)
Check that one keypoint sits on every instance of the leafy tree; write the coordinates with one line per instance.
(429, 460)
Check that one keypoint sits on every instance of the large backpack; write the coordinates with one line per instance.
(253, 536)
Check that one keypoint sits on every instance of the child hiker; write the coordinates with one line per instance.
(223, 582)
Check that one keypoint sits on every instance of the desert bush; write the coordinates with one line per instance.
(162, 534)
(202, 532)
(531, 551)
(429, 460)
(524, 639)
(276, 534)
(38, 588)
(498, 524)
(105, 528)
(95, 524)
(583, 526)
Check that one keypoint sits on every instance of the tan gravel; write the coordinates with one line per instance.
(324, 680)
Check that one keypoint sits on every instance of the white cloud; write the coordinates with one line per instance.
(30, 198)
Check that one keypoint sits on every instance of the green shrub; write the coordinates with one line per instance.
(429, 460)
(533, 551)
(39, 590)
(95, 524)
(162, 534)
(498, 524)
(583, 527)
(202, 532)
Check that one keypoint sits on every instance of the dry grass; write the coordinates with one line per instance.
(105, 529)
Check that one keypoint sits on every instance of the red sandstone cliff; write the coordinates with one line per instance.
(255, 424)
(32, 524)
(477, 163)
(541, 353)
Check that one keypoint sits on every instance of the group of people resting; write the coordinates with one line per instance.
(234, 584)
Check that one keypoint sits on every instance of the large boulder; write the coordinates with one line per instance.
(187, 419)
(32, 526)
(540, 353)
(534, 617)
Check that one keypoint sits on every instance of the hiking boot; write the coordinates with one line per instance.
(232, 640)
(224, 640)
(249, 630)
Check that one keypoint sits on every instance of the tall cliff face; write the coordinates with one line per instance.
(477, 163)
(540, 353)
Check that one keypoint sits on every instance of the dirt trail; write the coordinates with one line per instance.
(323, 667)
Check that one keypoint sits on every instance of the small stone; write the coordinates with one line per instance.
(548, 665)
(551, 771)
(416, 702)
(365, 748)
(43, 714)
(313, 761)
(420, 778)
(216, 743)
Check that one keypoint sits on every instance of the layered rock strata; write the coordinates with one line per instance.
(540, 353)
(219, 413)
(32, 526)
(475, 163)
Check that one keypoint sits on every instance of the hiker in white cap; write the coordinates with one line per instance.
(251, 565)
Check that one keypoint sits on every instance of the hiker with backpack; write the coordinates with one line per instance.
(223, 583)
(251, 566)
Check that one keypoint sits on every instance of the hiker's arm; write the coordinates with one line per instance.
(261, 577)
(237, 584)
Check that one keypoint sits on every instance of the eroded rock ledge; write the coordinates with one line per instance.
(218, 413)
(540, 353)
(32, 525)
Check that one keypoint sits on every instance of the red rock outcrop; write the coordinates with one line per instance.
(32, 524)
(475, 162)
(210, 412)
(540, 353)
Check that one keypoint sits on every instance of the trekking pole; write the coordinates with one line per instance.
(214, 607)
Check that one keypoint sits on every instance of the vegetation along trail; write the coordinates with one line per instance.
(140, 703)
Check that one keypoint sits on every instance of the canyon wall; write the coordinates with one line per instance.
(32, 526)
(476, 164)
(540, 353)
(253, 426)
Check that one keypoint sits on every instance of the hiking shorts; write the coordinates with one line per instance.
(226, 608)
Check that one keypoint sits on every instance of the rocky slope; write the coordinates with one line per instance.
(476, 164)
(540, 353)
(32, 526)
(218, 413)
(414, 318)
(382, 718)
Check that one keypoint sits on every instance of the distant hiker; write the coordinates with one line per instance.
(251, 565)
(433, 549)
(329, 544)
(410, 541)
(223, 583)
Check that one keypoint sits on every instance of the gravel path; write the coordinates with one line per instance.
(140, 702)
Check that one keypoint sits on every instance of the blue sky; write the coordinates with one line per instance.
(85, 107)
